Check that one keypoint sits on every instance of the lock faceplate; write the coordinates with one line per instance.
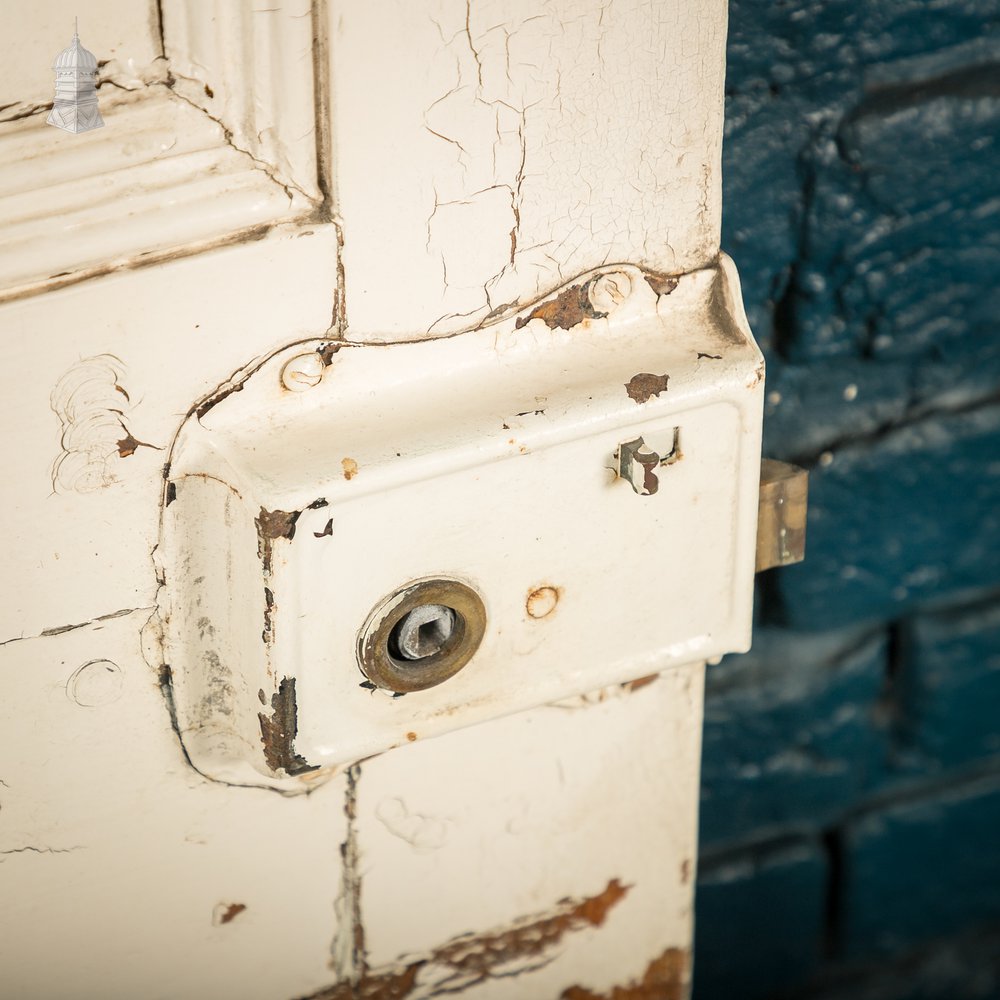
(296, 508)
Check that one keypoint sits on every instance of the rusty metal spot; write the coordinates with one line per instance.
(411, 736)
(328, 530)
(542, 601)
(278, 731)
(350, 468)
(665, 979)
(273, 524)
(662, 284)
(472, 959)
(227, 912)
(643, 386)
(568, 309)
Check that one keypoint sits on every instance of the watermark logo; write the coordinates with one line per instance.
(75, 106)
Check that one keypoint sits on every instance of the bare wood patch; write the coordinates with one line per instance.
(665, 979)
(472, 959)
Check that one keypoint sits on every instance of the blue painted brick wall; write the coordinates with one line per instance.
(851, 765)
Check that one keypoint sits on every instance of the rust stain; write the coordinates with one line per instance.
(643, 386)
(568, 309)
(473, 959)
(328, 530)
(350, 468)
(685, 871)
(757, 377)
(542, 601)
(640, 682)
(665, 978)
(229, 913)
(411, 736)
(278, 731)
(662, 284)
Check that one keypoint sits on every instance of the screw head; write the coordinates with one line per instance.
(302, 372)
(608, 291)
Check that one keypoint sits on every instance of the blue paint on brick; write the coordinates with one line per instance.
(759, 922)
(862, 207)
(964, 967)
(949, 686)
(899, 521)
(921, 869)
(794, 733)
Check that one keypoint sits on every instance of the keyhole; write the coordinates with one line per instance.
(422, 632)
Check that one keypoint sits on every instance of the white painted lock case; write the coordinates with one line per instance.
(580, 482)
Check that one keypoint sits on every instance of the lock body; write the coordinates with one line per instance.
(430, 535)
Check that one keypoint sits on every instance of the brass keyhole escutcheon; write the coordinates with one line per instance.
(421, 635)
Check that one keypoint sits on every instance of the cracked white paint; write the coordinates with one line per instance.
(482, 153)
(249, 66)
(487, 151)
(123, 34)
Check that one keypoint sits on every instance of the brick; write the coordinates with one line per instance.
(791, 735)
(759, 922)
(966, 967)
(949, 685)
(921, 869)
(907, 519)
(901, 253)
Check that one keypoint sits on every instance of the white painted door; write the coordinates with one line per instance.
(327, 174)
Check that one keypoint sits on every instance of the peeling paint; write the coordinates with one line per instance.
(640, 682)
(661, 284)
(278, 731)
(569, 308)
(92, 405)
(644, 386)
(472, 959)
(226, 913)
(271, 525)
(664, 979)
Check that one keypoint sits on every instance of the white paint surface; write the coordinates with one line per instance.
(486, 153)
(512, 146)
